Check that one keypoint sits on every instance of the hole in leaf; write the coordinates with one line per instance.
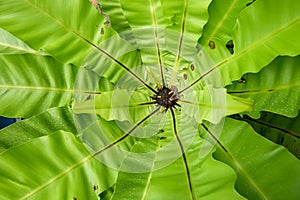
(248, 4)
(230, 46)
(242, 80)
(281, 141)
(95, 187)
(107, 194)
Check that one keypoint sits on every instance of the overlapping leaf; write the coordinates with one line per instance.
(12, 45)
(276, 88)
(158, 28)
(66, 26)
(213, 104)
(218, 30)
(37, 126)
(157, 14)
(279, 129)
(207, 175)
(265, 170)
(30, 84)
(222, 19)
(123, 105)
(156, 34)
(31, 171)
(72, 161)
(258, 42)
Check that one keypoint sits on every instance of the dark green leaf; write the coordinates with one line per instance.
(265, 170)
(52, 120)
(276, 88)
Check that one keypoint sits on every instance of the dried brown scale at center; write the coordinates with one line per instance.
(167, 97)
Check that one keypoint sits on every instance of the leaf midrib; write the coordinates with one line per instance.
(255, 45)
(239, 54)
(71, 168)
(247, 49)
(86, 159)
(55, 19)
(182, 31)
(236, 163)
(220, 24)
(272, 126)
(39, 88)
(28, 50)
(273, 89)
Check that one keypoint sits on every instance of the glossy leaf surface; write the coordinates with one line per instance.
(260, 165)
(276, 88)
(45, 170)
(38, 82)
(37, 126)
(143, 83)
(279, 129)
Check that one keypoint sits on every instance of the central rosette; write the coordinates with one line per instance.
(167, 97)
